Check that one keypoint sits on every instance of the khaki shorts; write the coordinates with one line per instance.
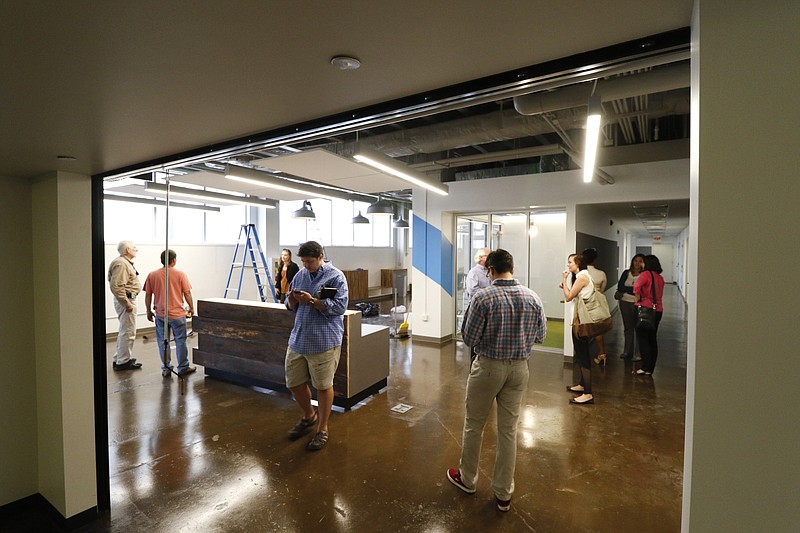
(319, 367)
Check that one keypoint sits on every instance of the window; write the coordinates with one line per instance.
(185, 225)
(128, 221)
(224, 227)
(381, 230)
(342, 226)
(333, 225)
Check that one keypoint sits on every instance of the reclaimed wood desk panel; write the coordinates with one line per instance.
(357, 284)
(245, 342)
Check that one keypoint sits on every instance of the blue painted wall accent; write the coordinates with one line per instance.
(437, 261)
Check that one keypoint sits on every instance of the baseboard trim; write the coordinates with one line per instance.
(439, 341)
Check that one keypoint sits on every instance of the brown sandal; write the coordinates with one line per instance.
(318, 442)
(302, 427)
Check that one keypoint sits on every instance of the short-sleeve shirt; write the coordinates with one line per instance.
(178, 285)
(643, 285)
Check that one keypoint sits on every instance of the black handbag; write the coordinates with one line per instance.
(647, 315)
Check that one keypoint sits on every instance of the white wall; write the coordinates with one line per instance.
(18, 439)
(651, 181)
(207, 266)
(591, 220)
(61, 229)
(742, 462)
(371, 259)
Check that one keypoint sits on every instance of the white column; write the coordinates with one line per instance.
(61, 239)
(742, 461)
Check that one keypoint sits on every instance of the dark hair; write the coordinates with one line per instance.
(288, 251)
(171, 254)
(634, 259)
(651, 262)
(579, 260)
(310, 249)
(501, 261)
(589, 255)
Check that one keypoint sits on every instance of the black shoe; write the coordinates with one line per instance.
(186, 371)
(130, 365)
(131, 360)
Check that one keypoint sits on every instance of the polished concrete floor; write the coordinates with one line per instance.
(217, 458)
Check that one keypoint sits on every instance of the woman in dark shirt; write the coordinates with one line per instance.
(627, 308)
(286, 271)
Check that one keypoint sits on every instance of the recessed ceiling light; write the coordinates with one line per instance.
(66, 158)
(345, 62)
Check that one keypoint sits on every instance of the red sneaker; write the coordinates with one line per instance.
(454, 475)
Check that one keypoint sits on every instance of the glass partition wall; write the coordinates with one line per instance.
(536, 239)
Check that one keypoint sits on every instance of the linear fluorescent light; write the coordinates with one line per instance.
(592, 137)
(389, 165)
(262, 179)
(152, 201)
(158, 188)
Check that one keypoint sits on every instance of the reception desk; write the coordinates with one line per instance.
(245, 342)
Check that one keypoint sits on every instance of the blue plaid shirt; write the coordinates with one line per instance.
(504, 321)
(316, 331)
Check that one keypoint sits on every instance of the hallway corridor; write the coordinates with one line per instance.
(217, 458)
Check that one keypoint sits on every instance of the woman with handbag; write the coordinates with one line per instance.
(582, 287)
(626, 306)
(648, 290)
(600, 281)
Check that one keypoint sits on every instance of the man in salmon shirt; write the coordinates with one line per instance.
(179, 290)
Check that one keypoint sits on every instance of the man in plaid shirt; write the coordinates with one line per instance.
(316, 339)
(503, 323)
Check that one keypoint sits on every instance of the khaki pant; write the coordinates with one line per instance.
(126, 335)
(505, 381)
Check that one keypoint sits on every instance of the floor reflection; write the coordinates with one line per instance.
(217, 458)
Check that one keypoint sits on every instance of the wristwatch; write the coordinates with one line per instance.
(312, 301)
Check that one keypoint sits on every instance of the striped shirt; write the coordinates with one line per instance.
(316, 331)
(504, 321)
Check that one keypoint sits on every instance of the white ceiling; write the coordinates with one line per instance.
(118, 83)
(322, 165)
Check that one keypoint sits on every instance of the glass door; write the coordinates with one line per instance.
(472, 234)
(536, 239)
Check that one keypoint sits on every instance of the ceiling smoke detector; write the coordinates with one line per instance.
(345, 62)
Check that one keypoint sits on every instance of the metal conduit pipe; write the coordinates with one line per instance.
(652, 81)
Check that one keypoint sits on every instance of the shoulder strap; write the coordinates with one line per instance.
(653, 287)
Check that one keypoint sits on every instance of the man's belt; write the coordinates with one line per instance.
(131, 295)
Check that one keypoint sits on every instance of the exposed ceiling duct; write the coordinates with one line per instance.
(626, 86)
(565, 106)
